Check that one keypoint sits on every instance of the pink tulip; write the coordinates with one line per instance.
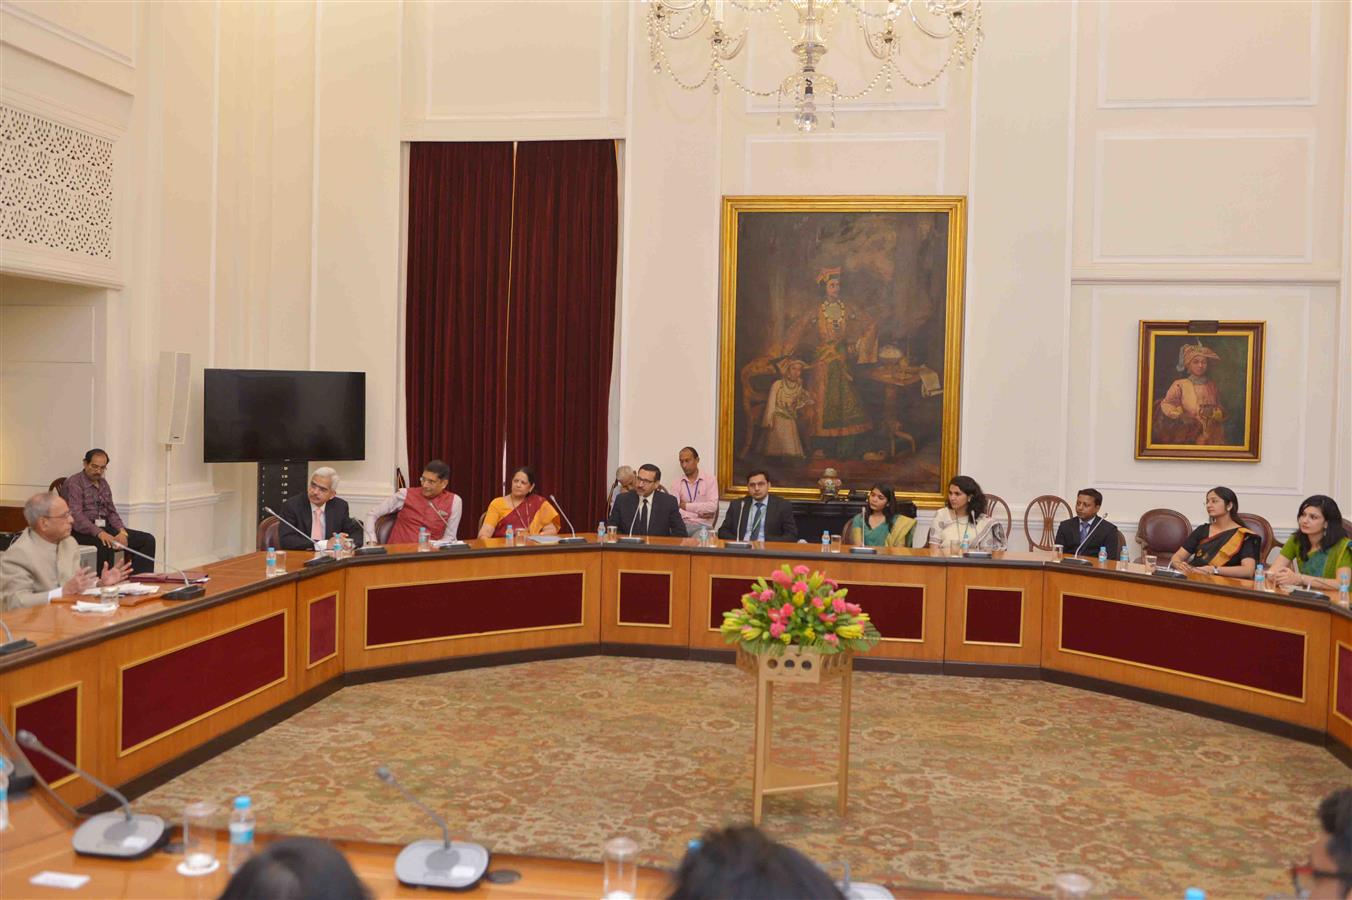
(780, 577)
(819, 602)
(801, 570)
(776, 630)
(767, 595)
(831, 639)
(852, 608)
(800, 587)
(838, 605)
(786, 610)
(832, 582)
(827, 617)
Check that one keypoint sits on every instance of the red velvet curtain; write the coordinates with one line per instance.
(562, 320)
(459, 261)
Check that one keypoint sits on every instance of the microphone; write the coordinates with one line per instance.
(320, 560)
(12, 646)
(629, 538)
(436, 864)
(741, 543)
(189, 591)
(117, 835)
(1088, 534)
(568, 540)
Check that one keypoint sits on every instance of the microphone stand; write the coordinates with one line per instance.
(741, 543)
(116, 835)
(320, 559)
(189, 591)
(446, 864)
(568, 540)
(11, 645)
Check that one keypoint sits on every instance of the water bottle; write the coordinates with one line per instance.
(423, 545)
(241, 834)
(1123, 560)
(965, 545)
(511, 536)
(1343, 580)
(272, 562)
(704, 535)
(600, 532)
(826, 542)
(4, 794)
(1194, 894)
(1103, 555)
(1260, 578)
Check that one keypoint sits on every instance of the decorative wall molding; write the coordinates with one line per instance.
(69, 49)
(58, 199)
(938, 139)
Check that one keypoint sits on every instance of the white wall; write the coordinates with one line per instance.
(257, 211)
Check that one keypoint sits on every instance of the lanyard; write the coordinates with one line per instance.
(689, 495)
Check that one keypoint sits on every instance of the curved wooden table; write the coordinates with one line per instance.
(145, 693)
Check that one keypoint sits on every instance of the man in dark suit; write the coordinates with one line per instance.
(320, 513)
(645, 510)
(759, 516)
(1087, 531)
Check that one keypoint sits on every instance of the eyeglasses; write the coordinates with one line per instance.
(65, 515)
(642, 480)
(314, 485)
(1304, 877)
(425, 480)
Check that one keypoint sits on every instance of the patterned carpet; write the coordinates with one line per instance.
(960, 783)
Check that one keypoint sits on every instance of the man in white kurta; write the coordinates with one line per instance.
(43, 563)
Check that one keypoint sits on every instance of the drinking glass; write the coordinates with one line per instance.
(199, 839)
(612, 533)
(281, 562)
(621, 869)
(835, 543)
(1150, 563)
(108, 593)
(1058, 552)
(1071, 886)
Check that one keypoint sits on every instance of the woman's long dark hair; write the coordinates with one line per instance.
(1231, 501)
(1333, 525)
(976, 500)
(889, 509)
(297, 869)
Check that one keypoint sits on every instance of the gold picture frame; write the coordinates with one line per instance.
(1200, 391)
(841, 342)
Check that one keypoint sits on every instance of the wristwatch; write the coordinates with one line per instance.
(1215, 570)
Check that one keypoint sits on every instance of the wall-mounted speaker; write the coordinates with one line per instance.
(171, 422)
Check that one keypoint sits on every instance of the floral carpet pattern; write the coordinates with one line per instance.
(968, 784)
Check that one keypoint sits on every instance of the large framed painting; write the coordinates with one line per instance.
(841, 344)
(1200, 391)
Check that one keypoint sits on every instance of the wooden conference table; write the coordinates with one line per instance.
(148, 691)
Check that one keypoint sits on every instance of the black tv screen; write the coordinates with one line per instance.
(258, 415)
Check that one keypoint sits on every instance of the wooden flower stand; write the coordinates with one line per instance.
(796, 667)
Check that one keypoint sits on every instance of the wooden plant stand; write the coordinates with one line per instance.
(796, 667)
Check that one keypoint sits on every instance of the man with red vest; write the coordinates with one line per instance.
(429, 506)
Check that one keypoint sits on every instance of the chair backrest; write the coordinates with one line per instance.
(1044, 513)
(384, 525)
(1263, 528)
(998, 509)
(1162, 531)
(399, 481)
(268, 529)
(57, 484)
(1347, 527)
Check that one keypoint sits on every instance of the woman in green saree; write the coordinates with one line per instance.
(1319, 553)
(880, 525)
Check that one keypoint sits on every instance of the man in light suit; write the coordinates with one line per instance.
(320, 513)
(645, 510)
(43, 563)
(759, 516)
(1087, 531)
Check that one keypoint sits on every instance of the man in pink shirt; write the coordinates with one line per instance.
(697, 493)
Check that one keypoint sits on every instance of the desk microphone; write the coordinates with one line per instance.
(118, 835)
(320, 560)
(12, 646)
(629, 538)
(189, 591)
(741, 543)
(568, 540)
(442, 864)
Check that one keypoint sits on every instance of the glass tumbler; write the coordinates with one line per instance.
(199, 838)
(621, 869)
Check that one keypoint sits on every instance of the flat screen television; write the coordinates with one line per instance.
(260, 415)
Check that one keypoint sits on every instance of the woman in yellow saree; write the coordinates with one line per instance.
(523, 509)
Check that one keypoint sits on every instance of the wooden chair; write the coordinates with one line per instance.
(384, 525)
(268, 530)
(998, 509)
(399, 481)
(1160, 532)
(1263, 528)
(57, 484)
(1048, 510)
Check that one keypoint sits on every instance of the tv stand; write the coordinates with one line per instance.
(279, 480)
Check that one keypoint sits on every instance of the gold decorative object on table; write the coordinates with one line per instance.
(797, 629)
(829, 484)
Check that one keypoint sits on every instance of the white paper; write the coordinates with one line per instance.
(450, 543)
(134, 588)
(83, 606)
(59, 880)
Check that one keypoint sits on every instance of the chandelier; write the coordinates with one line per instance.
(956, 22)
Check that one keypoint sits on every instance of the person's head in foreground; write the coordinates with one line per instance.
(742, 862)
(1329, 870)
(296, 869)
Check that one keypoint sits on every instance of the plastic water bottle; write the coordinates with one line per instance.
(1123, 560)
(272, 562)
(601, 532)
(1343, 580)
(826, 542)
(704, 535)
(4, 794)
(423, 545)
(511, 536)
(965, 545)
(1260, 578)
(241, 834)
(1103, 555)
(1194, 894)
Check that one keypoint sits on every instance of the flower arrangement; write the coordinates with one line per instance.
(801, 608)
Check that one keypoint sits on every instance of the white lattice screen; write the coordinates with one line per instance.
(56, 186)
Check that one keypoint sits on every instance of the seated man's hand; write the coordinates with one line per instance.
(114, 574)
(82, 580)
(106, 539)
(121, 536)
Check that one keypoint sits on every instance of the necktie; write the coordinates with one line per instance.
(756, 520)
(317, 523)
(1084, 530)
(643, 517)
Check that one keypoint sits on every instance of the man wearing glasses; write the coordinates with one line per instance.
(429, 506)
(43, 563)
(1329, 871)
(646, 510)
(320, 513)
(97, 523)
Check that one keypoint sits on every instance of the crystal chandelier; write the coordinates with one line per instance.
(956, 22)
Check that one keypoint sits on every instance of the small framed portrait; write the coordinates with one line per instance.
(1200, 391)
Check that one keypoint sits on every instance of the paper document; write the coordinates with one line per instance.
(127, 587)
